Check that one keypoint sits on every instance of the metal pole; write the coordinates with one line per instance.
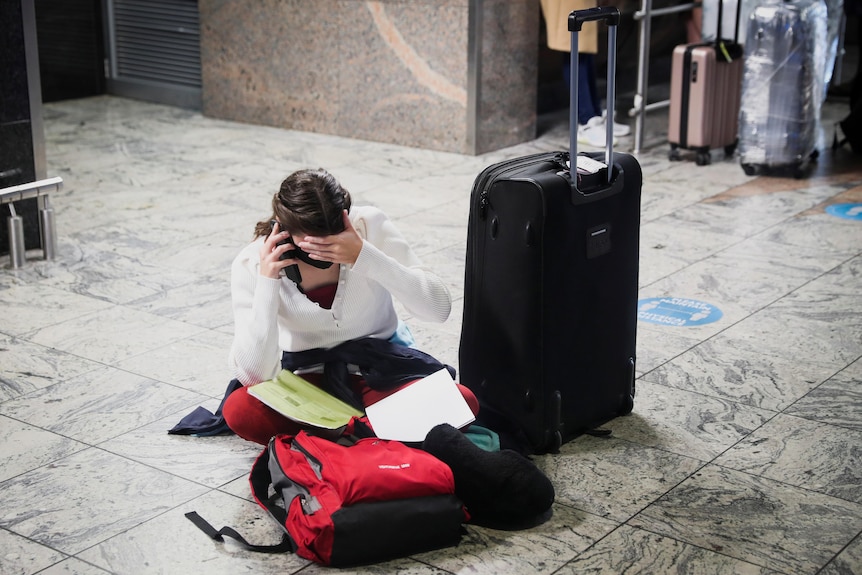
(643, 73)
(17, 251)
(47, 229)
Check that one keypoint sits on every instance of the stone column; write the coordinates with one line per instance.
(453, 75)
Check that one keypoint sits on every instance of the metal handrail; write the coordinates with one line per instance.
(38, 189)
(640, 106)
(30, 190)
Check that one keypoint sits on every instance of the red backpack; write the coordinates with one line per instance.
(348, 505)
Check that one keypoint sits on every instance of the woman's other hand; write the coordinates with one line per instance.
(342, 248)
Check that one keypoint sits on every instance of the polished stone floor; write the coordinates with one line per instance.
(743, 453)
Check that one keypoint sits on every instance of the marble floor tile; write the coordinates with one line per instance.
(541, 549)
(211, 461)
(73, 566)
(205, 302)
(22, 555)
(108, 276)
(24, 447)
(657, 345)
(401, 199)
(754, 519)
(804, 262)
(207, 256)
(666, 247)
(198, 363)
(629, 550)
(113, 334)
(815, 456)
(838, 400)
(848, 561)
(739, 370)
(611, 477)
(88, 497)
(26, 366)
(831, 233)
(725, 282)
(151, 545)
(101, 405)
(34, 306)
(128, 239)
(687, 423)
(239, 487)
(664, 194)
(814, 326)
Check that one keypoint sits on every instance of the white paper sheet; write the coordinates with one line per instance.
(410, 413)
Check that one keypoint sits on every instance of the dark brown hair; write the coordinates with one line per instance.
(308, 202)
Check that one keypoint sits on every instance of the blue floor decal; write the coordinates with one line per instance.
(846, 211)
(677, 311)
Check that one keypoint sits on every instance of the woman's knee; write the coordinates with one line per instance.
(250, 419)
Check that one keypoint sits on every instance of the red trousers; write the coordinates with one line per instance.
(251, 419)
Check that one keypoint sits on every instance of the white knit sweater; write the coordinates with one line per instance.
(272, 315)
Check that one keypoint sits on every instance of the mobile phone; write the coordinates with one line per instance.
(291, 272)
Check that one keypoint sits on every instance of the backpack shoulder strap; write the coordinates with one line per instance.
(286, 546)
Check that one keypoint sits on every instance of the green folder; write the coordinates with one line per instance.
(302, 401)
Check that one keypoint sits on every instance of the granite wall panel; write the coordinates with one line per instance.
(392, 71)
(509, 67)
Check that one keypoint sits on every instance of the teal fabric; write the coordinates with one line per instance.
(483, 438)
(403, 336)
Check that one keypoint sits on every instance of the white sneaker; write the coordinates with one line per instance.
(593, 133)
(620, 130)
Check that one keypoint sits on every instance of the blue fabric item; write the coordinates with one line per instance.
(202, 423)
(403, 336)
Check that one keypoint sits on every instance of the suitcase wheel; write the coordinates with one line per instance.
(730, 149)
(628, 405)
(749, 169)
(674, 155)
(556, 442)
(703, 159)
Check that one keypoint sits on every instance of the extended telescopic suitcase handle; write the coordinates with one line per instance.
(576, 20)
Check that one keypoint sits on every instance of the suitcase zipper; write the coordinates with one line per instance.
(489, 175)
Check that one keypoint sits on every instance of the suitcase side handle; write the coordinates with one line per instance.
(611, 14)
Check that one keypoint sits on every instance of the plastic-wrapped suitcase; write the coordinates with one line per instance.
(783, 86)
(705, 84)
(551, 280)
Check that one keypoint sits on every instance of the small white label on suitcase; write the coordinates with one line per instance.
(587, 165)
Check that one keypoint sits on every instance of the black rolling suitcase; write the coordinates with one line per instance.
(550, 303)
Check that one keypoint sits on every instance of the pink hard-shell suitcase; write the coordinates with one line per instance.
(705, 88)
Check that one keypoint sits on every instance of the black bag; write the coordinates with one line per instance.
(551, 283)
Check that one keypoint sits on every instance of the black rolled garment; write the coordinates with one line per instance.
(384, 365)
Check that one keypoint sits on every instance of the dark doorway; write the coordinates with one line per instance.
(71, 48)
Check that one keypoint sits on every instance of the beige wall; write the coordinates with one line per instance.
(453, 75)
